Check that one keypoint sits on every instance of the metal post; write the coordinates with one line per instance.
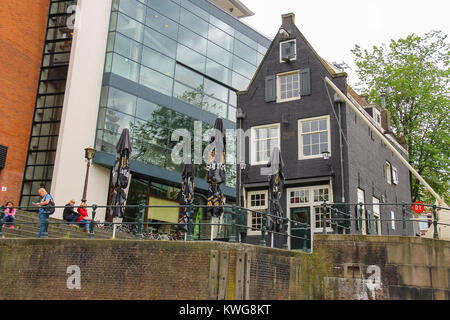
(139, 229)
(404, 218)
(360, 218)
(233, 224)
(335, 224)
(435, 223)
(91, 225)
(324, 217)
(262, 242)
(286, 236)
(190, 235)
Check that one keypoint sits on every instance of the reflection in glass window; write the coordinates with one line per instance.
(221, 25)
(221, 38)
(191, 58)
(245, 52)
(214, 106)
(192, 40)
(244, 39)
(189, 77)
(233, 98)
(157, 41)
(188, 94)
(133, 9)
(231, 113)
(126, 68)
(243, 67)
(162, 24)
(214, 89)
(127, 47)
(129, 27)
(145, 109)
(167, 8)
(157, 61)
(116, 121)
(239, 82)
(156, 81)
(219, 55)
(194, 23)
(218, 72)
(121, 101)
(194, 9)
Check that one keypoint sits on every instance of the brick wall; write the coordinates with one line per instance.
(22, 32)
(340, 267)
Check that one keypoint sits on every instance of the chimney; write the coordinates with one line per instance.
(287, 19)
(386, 120)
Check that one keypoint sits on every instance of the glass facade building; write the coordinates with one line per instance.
(169, 64)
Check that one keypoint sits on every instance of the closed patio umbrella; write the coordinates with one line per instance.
(187, 194)
(121, 174)
(276, 185)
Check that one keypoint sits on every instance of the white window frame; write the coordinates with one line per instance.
(295, 50)
(394, 175)
(388, 171)
(279, 76)
(250, 214)
(392, 220)
(376, 213)
(253, 142)
(300, 138)
(377, 115)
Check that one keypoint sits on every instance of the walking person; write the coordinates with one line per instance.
(10, 213)
(43, 216)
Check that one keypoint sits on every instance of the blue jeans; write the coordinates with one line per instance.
(72, 218)
(8, 218)
(42, 218)
(86, 226)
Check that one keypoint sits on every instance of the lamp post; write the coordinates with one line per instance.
(88, 155)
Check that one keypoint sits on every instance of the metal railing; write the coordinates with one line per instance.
(341, 217)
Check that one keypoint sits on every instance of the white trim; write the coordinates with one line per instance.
(281, 51)
(363, 215)
(300, 137)
(251, 232)
(377, 213)
(388, 172)
(279, 100)
(394, 175)
(253, 161)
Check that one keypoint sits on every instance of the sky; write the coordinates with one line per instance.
(334, 27)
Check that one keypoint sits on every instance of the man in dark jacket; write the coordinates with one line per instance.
(69, 214)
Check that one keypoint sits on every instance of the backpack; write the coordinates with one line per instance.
(50, 207)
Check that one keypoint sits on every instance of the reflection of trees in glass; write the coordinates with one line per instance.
(198, 98)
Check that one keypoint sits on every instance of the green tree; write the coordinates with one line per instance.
(414, 74)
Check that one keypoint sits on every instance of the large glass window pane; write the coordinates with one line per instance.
(214, 89)
(214, 106)
(245, 52)
(156, 81)
(145, 109)
(220, 55)
(233, 98)
(162, 24)
(191, 58)
(221, 38)
(187, 94)
(244, 39)
(218, 72)
(157, 41)
(194, 9)
(166, 7)
(133, 9)
(125, 67)
(130, 27)
(127, 47)
(157, 61)
(188, 77)
(194, 23)
(221, 25)
(261, 49)
(239, 82)
(121, 101)
(243, 67)
(231, 113)
(192, 40)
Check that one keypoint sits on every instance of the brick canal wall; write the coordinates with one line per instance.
(341, 267)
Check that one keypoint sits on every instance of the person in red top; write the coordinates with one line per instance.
(84, 217)
(10, 213)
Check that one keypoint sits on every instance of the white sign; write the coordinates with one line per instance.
(4, 188)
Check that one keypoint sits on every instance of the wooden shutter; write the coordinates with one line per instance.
(270, 88)
(305, 82)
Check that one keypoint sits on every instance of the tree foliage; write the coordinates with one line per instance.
(414, 74)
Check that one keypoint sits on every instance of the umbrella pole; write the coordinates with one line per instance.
(212, 229)
(271, 239)
(114, 230)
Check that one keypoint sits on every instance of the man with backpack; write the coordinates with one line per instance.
(46, 208)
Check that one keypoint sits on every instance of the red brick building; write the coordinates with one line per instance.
(22, 33)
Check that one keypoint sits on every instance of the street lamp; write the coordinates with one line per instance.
(88, 155)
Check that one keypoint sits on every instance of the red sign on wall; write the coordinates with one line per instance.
(417, 207)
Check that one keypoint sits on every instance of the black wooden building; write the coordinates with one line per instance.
(329, 153)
